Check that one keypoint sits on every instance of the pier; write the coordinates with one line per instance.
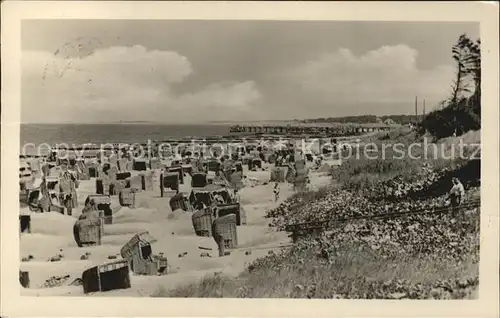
(333, 130)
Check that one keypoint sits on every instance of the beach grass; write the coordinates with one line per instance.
(353, 274)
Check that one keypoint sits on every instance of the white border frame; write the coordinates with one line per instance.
(12, 304)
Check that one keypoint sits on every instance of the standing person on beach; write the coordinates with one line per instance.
(276, 191)
(236, 196)
(199, 205)
(218, 198)
(279, 159)
(89, 211)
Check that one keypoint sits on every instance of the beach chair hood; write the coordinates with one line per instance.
(98, 199)
(138, 240)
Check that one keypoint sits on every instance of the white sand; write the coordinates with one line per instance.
(52, 234)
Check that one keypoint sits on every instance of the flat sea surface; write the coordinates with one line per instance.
(112, 133)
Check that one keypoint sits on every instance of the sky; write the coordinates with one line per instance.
(194, 71)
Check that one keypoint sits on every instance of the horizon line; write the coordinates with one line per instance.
(202, 122)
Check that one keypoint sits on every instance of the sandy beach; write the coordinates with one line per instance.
(52, 234)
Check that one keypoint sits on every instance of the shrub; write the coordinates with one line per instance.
(454, 118)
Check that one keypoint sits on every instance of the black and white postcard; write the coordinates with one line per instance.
(306, 157)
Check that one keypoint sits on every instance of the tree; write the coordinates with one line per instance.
(467, 54)
(460, 55)
(473, 68)
(460, 113)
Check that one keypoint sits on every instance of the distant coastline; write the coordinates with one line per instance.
(359, 119)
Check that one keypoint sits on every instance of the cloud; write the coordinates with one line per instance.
(230, 95)
(388, 74)
(134, 83)
(122, 83)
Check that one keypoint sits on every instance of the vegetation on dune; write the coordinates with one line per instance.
(359, 172)
(352, 272)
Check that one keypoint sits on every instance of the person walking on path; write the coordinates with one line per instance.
(276, 191)
(457, 194)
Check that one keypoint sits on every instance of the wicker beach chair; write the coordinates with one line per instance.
(126, 197)
(187, 168)
(103, 205)
(24, 279)
(180, 201)
(25, 223)
(177, 169)
(88, 231)
(140, 165)
(106, 277)
(135, 183)
(146, 180)
(123, 164)
(123, 175)
(102, 185)
(229, 208)
(199, 180)
(169, 180)
(202, 222)
(154, 163)
(139, 254)
(225, 226)
(278, 174)
(236, 180)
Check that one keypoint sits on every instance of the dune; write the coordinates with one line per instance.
(52, 235)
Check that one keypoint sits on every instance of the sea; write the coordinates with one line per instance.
(70, 134)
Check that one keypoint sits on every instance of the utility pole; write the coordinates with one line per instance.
(416, 110)
(423, 111)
